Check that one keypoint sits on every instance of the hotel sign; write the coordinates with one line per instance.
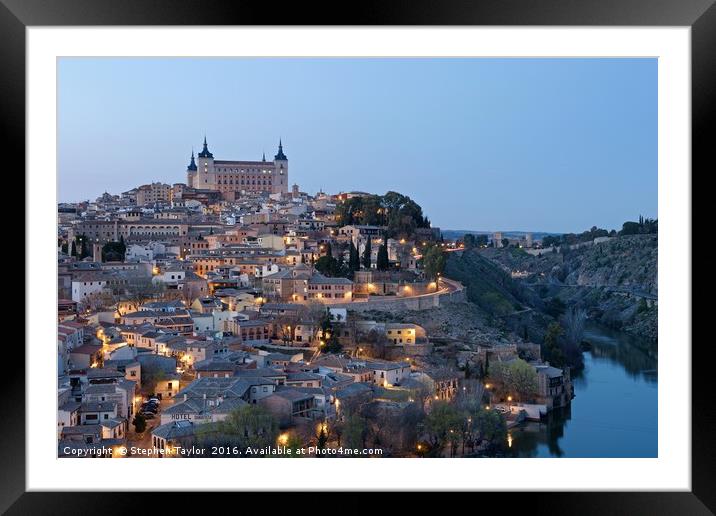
(191, 417)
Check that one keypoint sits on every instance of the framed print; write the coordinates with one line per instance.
(428, 240)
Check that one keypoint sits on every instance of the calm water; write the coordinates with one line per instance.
(614, 412)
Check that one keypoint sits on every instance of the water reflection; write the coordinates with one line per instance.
(614, 413)
(637, 357)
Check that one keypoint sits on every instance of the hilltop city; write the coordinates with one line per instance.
(235, 315)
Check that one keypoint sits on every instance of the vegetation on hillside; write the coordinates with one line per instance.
(614, 281)
(487, 284)
(399, 213)
(644, 226)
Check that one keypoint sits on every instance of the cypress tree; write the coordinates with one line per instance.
(73, 249)
(84, 252)
(353, 258)
(382, 262)
(366, 255)
(122, 247)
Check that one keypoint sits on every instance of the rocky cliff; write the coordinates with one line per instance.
(615, 281)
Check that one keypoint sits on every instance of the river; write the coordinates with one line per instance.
(614, 412)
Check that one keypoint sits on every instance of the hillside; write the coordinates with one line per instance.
(615, 281)
(627, 262)
(489, 285)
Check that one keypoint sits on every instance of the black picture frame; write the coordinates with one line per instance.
(700, 15)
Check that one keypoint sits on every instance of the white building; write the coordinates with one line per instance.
(86, 285)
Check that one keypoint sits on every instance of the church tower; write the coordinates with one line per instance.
(191, 171)
(280, 182)
(205, 168)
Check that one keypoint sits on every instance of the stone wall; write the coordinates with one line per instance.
(456, 294)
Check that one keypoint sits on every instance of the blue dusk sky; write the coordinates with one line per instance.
(555, 145)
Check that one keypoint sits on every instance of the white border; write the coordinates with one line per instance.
(670, 471)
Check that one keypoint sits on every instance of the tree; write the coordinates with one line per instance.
(97, 301)
(353, 258)
(251, 426)
(333, 345)
(443, 422)
(322, 438)
(433, 262)
(521, 379)
(137, 290)
(113, 252)
(630, 228)
(555, 307)
(470, 240)
(382, 262)
(489, 425)
(152, 376)
(552, 348)
(400, 214)
(377, 342)
(329, 336)
(354, 432)
(574, 321)
(367, 254)
(84, 250)
(73, 249)
(140, 423)
(327, 265)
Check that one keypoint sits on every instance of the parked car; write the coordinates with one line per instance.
(154, 400)
(147, 415)
(149, 408)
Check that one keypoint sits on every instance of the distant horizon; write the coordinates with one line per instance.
(562, 144)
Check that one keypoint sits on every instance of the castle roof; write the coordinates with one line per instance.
(192, 163)
(280, 155)
(205, 151)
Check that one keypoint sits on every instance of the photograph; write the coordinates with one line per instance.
(422, 234)
(357, 257)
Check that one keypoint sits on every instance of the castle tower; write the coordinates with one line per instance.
(205, 168)
(191, 171)
(96, 252)
(280, 183)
